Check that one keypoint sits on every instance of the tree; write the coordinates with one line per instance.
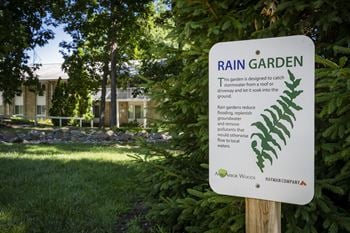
(111, 27)
(22, 28)
(63, 103)
(181, 185)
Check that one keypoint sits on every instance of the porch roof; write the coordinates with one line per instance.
(122, 94)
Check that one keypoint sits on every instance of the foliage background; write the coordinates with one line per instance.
(180, 183)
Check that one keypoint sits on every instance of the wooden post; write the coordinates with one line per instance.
(262, 216)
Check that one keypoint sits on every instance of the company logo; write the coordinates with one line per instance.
(302, 183)
(222, 172)
(286, 181)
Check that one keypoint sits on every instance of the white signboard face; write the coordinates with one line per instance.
(261, 119)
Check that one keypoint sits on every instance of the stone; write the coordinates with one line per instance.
(34, 135)
(16, 140)
(124, 137)
(75, 132)
(110, 133)
(25, 142)
(143, 134)
(156, 136)
(4, 143)
(101, 136)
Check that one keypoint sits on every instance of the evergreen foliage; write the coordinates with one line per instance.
(63, 103)
(180, 183)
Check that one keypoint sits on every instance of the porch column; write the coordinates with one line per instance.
(144, 113)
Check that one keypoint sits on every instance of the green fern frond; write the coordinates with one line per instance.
(272, 128)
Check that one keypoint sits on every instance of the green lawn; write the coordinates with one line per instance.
(66, 188)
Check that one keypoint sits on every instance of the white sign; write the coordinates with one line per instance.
(261, 119)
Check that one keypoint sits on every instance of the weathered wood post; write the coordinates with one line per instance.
(262, 216)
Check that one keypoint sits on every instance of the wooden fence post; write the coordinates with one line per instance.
(262, 216)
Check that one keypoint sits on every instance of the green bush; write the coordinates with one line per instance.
(63, 103)
(179, 183)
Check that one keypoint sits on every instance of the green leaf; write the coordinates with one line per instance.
(280, 135)
(296, 83)
(283, 128)
(297, 93)
(289, 85)
(273, 115)
(341, 50)
(267, 122)
(195, 193)
(269, 139)
(266, 146)
(267, 156)
(333, 228)
(278, 110)
(290, 103)
(226, 25)
(326, 62)
(286, 109)
(342, 61)
(253, 145)
(289, 94)
(262, 128)
(291, 76)
(287, 118)
(260, 164)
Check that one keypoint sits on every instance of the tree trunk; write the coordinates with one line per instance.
(103, 95)
(113, 119)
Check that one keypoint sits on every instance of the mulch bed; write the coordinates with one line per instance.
(139, 211)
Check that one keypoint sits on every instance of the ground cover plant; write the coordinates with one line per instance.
(68, 188)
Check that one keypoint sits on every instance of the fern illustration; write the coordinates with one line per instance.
(276, 124)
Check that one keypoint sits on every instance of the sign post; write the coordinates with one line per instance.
(262, 216)
(261, 125)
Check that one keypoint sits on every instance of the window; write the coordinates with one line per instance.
(138, 112)
(40, 110)
(42, 91)
(131, 112)
(96, 111)
(18, 109)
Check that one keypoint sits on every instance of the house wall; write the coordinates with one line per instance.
(152, 113)
(31, 100)
(123, 112)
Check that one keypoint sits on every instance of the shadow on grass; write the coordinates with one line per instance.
(64, 195)
(54, 149)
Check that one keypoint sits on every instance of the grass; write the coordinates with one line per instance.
(66, 188)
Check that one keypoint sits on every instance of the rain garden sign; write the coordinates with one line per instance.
(261, 119)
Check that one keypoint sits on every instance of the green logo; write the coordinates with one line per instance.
(222, 172)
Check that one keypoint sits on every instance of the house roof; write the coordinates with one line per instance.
(122, 94)
(51, 72)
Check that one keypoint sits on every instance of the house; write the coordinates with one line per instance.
(30, 105)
